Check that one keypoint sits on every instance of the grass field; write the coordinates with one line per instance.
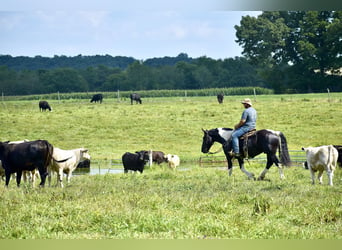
(197, 203)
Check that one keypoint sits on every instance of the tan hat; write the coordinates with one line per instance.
(247, 101)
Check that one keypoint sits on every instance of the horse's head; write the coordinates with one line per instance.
(207, 141)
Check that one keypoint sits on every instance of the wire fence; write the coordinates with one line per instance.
(297, 158)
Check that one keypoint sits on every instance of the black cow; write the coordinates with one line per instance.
(97, 98)
(339, 158)
(157, 156)
(44, 105)
(135, 97)
(26, 156)
(134, 162)
(220, 98)
(84, 164)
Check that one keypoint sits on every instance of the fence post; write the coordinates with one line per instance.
(118, 95)
(59, 98)
(329, 97)
(150, 158)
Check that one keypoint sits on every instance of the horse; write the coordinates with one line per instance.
(262, 141)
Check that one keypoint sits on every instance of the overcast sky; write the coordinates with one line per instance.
(140, 33)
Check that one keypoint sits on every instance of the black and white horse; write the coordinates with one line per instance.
(262, 141)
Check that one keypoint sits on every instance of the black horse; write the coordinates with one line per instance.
(135, 97)
(262, 141)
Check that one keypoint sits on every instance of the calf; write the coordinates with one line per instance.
(44, 105)
(135, 162)
(97, 98)
(172, 160)
(66, 161)
(320, 159)
(26, 156)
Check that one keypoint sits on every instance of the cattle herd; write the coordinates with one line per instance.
(28, 159)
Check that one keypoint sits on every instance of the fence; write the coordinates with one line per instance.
(115, 165)
(297, 158)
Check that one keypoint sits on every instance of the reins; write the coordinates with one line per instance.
(219, 150)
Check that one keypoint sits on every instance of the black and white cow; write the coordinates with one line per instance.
(135, 97)
(97, 98)
(320, 159)
(26, 156)
(44, 105)
(135, 162)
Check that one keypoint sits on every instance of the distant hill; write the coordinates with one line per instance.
(19, 63)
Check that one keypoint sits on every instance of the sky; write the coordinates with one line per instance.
(142, 33)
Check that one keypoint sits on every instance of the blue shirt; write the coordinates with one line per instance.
(250, 116)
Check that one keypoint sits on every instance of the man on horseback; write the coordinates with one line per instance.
(246, 124)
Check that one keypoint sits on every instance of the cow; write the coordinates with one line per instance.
(157, 156)
(44, 105)
(135, 162)
(84, 164)
(135, 97)
(172, 160)
(66, 161)
(31, 175)
(97, 98)
(320, 159)
(220, 98)
(339, 158)
(26, 156)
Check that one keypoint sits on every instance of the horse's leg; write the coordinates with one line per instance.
(230, 166)
(242, 167)
(270, 160)
(279, 166)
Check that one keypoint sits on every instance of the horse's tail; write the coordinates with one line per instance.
(283, 151)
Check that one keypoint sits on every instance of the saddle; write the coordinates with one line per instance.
(245, 141)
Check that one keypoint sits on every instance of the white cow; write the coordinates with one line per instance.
(320, 159)
(66, 161)
(172, 160)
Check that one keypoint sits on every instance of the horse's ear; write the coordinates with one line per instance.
(205, 131)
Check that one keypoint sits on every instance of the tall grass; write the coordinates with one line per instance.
(160, 203)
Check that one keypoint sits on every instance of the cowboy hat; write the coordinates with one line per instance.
(247, 101)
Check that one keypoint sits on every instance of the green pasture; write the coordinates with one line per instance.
(191, 202)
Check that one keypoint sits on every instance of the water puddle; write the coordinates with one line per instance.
(102, 171)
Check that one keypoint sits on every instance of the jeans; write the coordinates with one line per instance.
(235, 137)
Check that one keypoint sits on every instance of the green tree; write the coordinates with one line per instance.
(308, 41)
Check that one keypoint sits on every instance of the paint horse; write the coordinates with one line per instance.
(262, 141)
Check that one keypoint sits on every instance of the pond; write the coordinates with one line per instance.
(94, 171)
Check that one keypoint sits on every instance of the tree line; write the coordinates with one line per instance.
(180, 72)
(286, 51)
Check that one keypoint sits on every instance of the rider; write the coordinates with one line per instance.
(246, 124)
